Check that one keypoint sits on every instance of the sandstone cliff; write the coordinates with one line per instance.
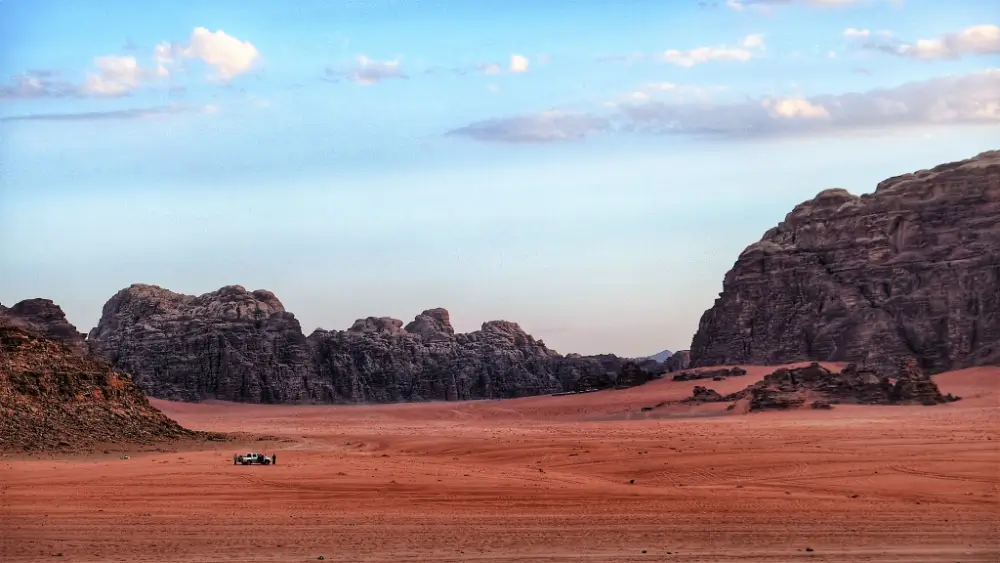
(53, 395)
(237, 345)
(909, 271)
(229, 344)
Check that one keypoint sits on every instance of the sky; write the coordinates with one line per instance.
(589, 169)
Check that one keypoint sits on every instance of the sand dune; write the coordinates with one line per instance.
(543, 479)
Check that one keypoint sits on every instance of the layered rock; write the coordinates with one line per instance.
(45, 318)
(237, 345)
(791, 388)
(715, 374)
(909, 271)
(54, 395)
(427, 360)
(230, 344)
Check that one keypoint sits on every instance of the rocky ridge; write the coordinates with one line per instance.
(239, 345)
(911, 270)
(53, 395)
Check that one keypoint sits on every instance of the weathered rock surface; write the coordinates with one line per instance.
(45, 318)
(230, 344)
(792, 388)
(679, 361)
(909, 271)
(233, 344)
(716, 374)
(53, 395)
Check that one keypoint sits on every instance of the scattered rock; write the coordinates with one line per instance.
(714, 374)
(789, 388)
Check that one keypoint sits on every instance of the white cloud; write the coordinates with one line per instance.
(971, 41)
(749, 47)
(518, 63)
(970, 99)
(116, 76)
(368, 71)
(227, 55)
(791, 108)
(754, 41)
(742, 5)
(855, 33)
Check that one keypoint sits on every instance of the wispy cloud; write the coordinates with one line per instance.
(749, 47)
(38, 84)
(971, 41)
(741, 5)
(545, 127)
(965, 99)
(125, 114)
(367, 71)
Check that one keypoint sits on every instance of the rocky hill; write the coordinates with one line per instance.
(239, 345)
(909, 271)
(53, 395)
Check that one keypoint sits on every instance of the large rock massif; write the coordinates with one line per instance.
(54, 395)
(239, 345)
(909, 271)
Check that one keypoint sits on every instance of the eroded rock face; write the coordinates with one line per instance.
(909, 271)
(237, 345)
(45, 318)
(230, 344)
(428, 361)
(679, 361)
(53, 395)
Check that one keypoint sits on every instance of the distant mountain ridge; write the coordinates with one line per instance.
(239, 345)
(660, 356)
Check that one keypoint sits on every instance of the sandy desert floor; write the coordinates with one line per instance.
(544, 479)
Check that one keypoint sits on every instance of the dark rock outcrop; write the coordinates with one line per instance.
(237, 345)
(714, 374)
(53, 395)
(788, 388)
(427, 360)
(231, 344)
(679, 361)
(45, 318)
(909, 271)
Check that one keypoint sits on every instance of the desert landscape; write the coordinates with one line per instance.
(586, 477)
(873, 437)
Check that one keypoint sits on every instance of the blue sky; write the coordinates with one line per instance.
(589, 169)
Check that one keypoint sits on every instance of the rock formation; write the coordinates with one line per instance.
(679, 361)
(53, 395)
(715, 374)
(909, 271)
(237, 345)
(229, 344)
(787, 388)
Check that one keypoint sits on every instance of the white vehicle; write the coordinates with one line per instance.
(251, 459)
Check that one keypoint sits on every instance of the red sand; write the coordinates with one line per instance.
(541, 479)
